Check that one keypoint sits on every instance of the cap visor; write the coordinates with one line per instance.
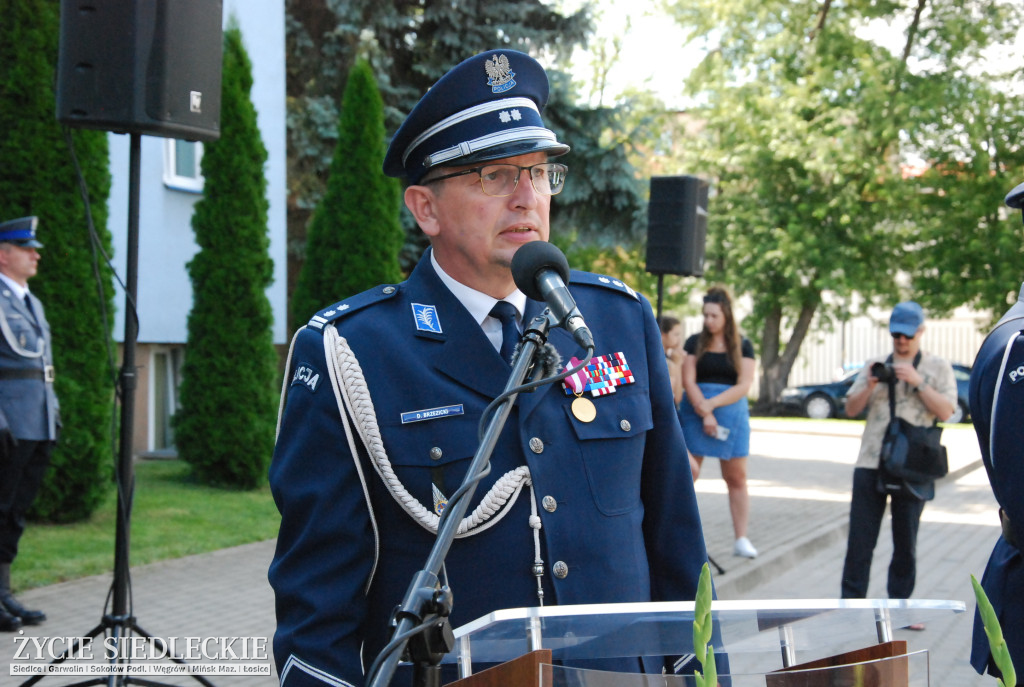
(515, 149)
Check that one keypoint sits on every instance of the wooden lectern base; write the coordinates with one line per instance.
(883, 674)
(519, 672)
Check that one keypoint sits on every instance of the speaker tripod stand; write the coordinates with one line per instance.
(119, 625)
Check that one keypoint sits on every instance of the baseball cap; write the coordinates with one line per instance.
(906, 318)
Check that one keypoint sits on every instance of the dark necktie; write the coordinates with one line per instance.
(506, 312)
(28, 304)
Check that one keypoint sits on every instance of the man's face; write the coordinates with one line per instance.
(902, 347)
(20, 263)
(474, 236)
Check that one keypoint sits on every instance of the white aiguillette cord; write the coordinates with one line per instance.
(353, 395)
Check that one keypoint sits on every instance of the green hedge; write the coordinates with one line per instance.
(226, 425)
(38, 177)
(355, 236)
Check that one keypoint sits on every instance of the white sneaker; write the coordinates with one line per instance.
(744, 548)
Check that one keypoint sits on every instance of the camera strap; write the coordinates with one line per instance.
(892, 386)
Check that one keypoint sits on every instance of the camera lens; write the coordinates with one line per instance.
(881, 371)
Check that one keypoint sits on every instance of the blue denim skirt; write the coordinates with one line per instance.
(735, 417)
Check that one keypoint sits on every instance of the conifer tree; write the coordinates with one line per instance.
(225, 427)
(356, 235)
(38, 177)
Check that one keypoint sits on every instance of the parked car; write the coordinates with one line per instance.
(826, 400)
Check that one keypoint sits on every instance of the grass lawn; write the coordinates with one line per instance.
(172, 516)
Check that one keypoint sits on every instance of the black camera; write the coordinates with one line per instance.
(883, 372)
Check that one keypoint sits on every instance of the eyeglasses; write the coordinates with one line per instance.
(898, 335)
(548, 178)
(715, 298)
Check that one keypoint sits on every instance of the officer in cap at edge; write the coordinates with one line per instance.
(578, 507)
(997, 402)
(29, 411)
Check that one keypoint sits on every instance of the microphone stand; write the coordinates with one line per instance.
(421, 621)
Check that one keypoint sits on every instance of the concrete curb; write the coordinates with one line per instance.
(780, 561)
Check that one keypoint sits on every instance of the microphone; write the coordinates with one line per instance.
(540, 270)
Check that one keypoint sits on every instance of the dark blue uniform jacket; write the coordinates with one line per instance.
(622, 518)
(997, 406)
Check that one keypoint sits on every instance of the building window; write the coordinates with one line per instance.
(165, 377)
(181, 165)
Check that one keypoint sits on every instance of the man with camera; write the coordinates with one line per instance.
(924, 390)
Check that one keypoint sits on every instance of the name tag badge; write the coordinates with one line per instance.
(432, 413)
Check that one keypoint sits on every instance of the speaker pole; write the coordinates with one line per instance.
(120, 622)
(661, 292)
(128, 384)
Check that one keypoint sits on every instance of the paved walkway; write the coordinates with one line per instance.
(799, 486)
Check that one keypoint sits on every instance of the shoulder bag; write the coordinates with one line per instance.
(912, 456)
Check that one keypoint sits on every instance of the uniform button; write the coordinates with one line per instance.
(435, 453)
(625, 426)
(388, 290)
(536, 445)
(550, 504)
(560, 569)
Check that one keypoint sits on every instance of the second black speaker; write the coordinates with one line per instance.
(141, 66)
(677, 224)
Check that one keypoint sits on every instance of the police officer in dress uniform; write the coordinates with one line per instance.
(384, 392)
(28, 406)
(997, 405)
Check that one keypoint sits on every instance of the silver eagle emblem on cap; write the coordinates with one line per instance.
(500, 76)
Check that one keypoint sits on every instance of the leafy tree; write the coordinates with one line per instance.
(965, 246)
(356, 236)
(602, 204)
(409, 46)
(225, 427)
(38, 177)
(808, 124)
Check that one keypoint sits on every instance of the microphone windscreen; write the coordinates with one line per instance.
(530, 260)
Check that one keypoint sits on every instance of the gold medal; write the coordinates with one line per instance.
(583, 409)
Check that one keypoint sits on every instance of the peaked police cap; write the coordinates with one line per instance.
(485, 108)
(21, 232)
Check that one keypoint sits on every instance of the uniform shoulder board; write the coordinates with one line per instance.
(350, 305)
(577, 277)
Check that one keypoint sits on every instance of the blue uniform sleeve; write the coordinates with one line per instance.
(1006, 432)
(672, 526)
(996, 400)
(326, 546)
(672, 529)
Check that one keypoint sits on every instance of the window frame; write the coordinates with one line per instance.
(176, 181)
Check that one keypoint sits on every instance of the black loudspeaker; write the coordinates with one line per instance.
(677, 225)
(141, 66)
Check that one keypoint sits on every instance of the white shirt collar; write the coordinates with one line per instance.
(478, 304)
(14, 286)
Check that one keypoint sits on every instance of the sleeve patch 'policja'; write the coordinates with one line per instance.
(306, 375)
